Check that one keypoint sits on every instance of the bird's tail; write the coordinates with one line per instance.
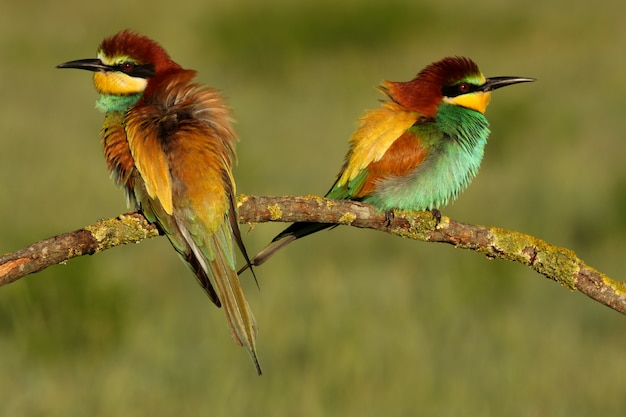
(238, 313)
(212, 259)
(291, 233)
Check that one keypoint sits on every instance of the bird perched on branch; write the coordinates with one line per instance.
(169, 142)
(419, 149)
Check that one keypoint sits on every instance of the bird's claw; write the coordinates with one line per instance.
(389, 216)
(437, 216)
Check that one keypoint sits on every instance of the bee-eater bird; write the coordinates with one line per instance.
(419, 149)
(168, 141)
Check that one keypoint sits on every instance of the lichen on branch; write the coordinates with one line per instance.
(554, 262)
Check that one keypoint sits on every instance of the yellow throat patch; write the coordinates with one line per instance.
(476, 101)
(116, 82)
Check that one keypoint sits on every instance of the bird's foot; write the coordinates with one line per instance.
(437, 216)
(389, 216)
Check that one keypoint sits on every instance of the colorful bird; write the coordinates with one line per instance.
(169, 142)
(419, 149)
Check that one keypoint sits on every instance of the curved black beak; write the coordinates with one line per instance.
(494, 83)
(92, 64)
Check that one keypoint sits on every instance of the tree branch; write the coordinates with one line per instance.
(103, 235)
(556, 263)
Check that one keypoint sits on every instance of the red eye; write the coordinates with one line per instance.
(127, 66)
(464, 87)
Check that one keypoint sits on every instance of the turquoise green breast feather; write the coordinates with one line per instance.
(107, 103)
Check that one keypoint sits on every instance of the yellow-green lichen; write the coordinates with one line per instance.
(275, 212)
(314, 197)
(556, 263)
(101, 229)
(120, 231)
(421, 224)
(617, 286)
(242, 198)
(347, 218)
(512, 244)
(559, 264)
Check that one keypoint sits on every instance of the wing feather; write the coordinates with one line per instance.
(383, 146)
(377, 130)
(150, 158)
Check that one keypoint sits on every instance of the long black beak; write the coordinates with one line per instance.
(494, 83)
(93, 64)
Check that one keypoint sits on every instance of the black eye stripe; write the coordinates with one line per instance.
(459, 89)
(135, 70)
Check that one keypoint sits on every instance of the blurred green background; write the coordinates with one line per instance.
(352, 322)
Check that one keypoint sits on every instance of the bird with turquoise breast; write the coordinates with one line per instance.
(419, 149)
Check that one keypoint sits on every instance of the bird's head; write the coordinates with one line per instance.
(453, 80)
(124, 64)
